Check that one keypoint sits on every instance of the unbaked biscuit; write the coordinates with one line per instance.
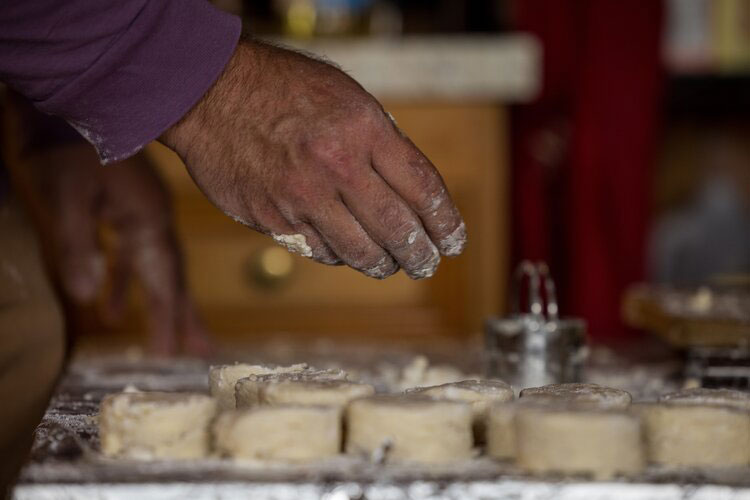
(286, 433)
(500, 431)
(222, 378)
(480, 394)
(689, 435)
(313, 392)
(247, 390)
(571, 440)
(417, 429)
(156, 425)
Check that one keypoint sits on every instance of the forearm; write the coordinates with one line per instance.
(120, 72)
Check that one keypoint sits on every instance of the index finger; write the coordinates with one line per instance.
(408, 171)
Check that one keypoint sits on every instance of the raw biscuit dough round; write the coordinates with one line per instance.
(409, 428)
(286, 433)
(689, 435)
(592, 395)
(222, 378)
(314, 392)
(572, 440)
(156, 425)
(500, 431)
(247, 390)
(480, 394)
(712, 397)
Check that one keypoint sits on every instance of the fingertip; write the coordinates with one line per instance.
(324, 255)
(454, 244)
(426, 268)
(385, 267)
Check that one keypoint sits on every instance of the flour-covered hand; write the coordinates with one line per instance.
(294, 148)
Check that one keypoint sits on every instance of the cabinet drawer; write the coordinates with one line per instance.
(255, 270)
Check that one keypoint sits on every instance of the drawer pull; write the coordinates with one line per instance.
(271, 267)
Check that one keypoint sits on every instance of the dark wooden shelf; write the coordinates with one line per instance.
(708, 97)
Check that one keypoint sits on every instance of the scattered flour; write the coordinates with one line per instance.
(437, 201)
(295, 243)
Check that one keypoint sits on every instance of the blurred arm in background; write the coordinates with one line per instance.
(75, 199)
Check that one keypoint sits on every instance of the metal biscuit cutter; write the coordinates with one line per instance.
(534, 348)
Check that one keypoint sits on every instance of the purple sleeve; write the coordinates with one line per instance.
(119, 71)
(37, 131)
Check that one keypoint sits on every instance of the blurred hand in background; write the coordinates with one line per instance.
(129, 200)
(105, 228)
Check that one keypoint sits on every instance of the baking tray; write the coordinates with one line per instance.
(66, 464)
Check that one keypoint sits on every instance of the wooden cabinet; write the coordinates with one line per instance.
(243, 285)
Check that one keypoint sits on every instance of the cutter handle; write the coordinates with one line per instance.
(538, 274)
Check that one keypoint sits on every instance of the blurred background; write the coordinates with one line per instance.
(607, 138)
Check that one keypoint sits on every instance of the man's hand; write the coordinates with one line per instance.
(296, 149)
(78, 196)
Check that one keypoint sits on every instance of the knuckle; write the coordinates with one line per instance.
(428, 200)
(428, 189)
(332, 154)
(325, 147)
(298, 188)
(368, 115)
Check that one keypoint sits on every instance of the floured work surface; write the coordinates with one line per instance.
(66, 462)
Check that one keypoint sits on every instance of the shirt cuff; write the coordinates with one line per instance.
(149, 78)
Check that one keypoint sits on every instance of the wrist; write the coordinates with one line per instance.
(217, 100)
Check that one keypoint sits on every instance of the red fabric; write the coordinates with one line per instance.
(584, 150)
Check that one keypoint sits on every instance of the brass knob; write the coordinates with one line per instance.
(271, 267)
